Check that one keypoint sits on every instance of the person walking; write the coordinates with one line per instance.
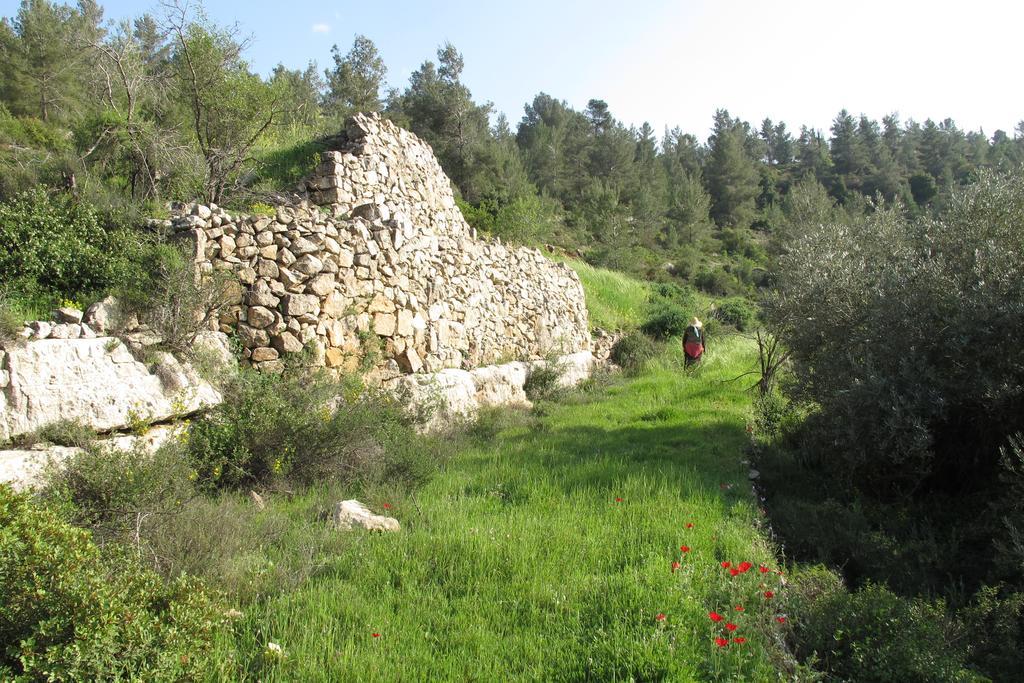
(694, 342)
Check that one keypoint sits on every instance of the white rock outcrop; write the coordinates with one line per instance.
(452, 394)
(22, 468)
(349, 514)
(96, 382)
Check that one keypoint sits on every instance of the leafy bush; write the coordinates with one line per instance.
(633, 351)
(898, 332)
(875, 635)
(54, 243)
(67, 433)
(118, 494)
(719, 282)
(272, 427)
(174, 302)
(67, 614)
(667, 321)
(995, 619)
(738, 312)
(543, 381)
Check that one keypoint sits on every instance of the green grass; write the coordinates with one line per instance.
(614, 300)
(519, 563)
(287, 158)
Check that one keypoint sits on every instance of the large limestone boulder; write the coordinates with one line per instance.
(452, 394)
(501, 385)
(349, 514)
(97, 382)
(23, 468)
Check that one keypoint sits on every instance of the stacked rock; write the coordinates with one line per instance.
(389, 264)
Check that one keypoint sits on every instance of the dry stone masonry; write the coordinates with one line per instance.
(379, 258)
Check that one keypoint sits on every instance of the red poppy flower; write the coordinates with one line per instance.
(731, 627)
(721, 642)
(745, 566)
(689, 525)
(660, 616)
(781, 620)
(727, 564)
(685, 548)
(376, 635)
(763, 569)
(734, 571)
(739, 608)
(618, 500)
(715, 616)
(769, 595)
(739, 639)
(386, 506)
(675, 566)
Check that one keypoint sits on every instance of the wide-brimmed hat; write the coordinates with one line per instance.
(696, 323)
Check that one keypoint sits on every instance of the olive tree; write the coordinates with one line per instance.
(905, 337)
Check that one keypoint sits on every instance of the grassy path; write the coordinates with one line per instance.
(547, 555)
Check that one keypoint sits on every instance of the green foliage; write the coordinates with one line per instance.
(230, 107)
(285, 161)
(523, 220)
(994, 621)
(120, 494)
(873, 635)
(11, 320)
(718, 281)
(174, 302)
(262, 209)
(354, 84)
(666, 321)
(923, 392)
(737, 311)
(633, 352)
(275, 427)
(543, 381)
(51, 243)
(66, 433)
(68, 614)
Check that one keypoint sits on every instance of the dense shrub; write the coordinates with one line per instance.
(54, 243)
(66, 614)
(273, 427)
(737, 311)
(666, 321)
(65, 433)
(119, 494)
(874, 635)
(898, 332)
(633, 351)
(719, 282)
(543, 382)
(174, 302)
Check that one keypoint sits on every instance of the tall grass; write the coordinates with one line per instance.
(545, 553)
(614, 300)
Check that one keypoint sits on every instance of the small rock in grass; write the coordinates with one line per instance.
(352, 513)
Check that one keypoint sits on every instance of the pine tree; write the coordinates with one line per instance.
(731, 173)
(355, 82)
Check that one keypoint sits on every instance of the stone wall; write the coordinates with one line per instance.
(387, 261)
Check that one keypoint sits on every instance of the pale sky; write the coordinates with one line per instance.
(674, 62)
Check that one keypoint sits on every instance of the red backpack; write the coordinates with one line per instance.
(693, 342)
